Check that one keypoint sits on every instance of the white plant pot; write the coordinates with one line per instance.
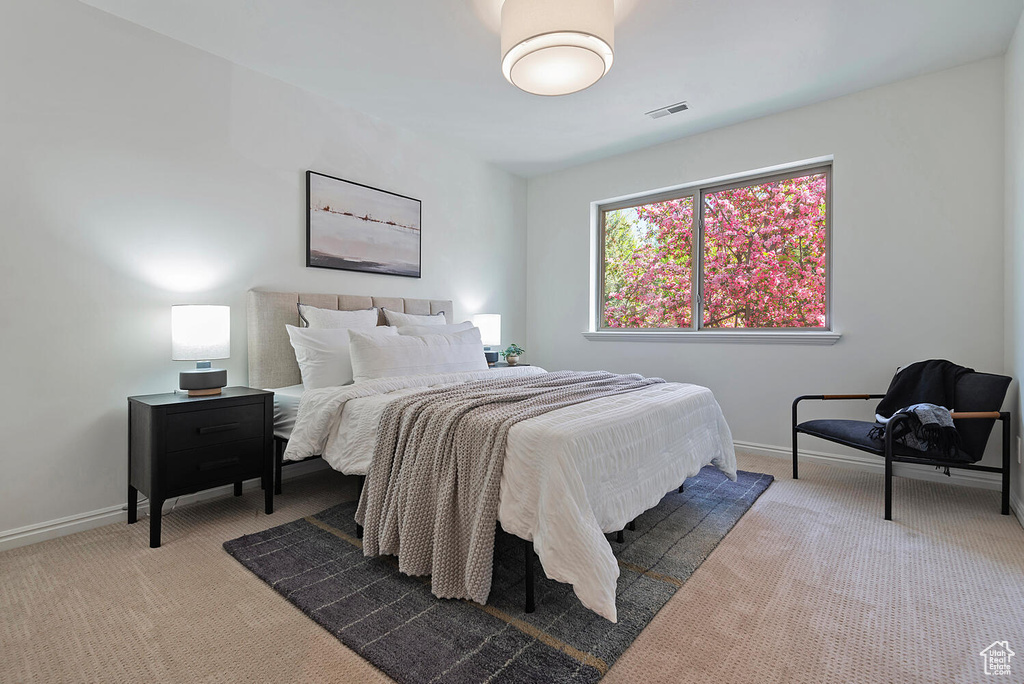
(511, 359)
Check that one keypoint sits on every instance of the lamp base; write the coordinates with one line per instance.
(205, 392)
(203, 382)
(491, 356)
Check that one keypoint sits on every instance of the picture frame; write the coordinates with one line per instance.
(356, 227)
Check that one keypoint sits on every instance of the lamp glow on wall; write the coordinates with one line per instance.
(201, 333)
(556, 48)
(490, 334)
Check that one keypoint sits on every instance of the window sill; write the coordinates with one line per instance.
(746, 337)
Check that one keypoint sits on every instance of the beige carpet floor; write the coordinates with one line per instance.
(810, 586)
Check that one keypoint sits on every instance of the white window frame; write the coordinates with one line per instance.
(820, 336)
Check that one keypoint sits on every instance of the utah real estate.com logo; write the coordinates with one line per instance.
(997, 658)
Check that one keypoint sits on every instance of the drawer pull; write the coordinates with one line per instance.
(210, 429)
(223, 463)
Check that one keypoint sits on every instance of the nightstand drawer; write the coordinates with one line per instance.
(214, 426)
(212, 465)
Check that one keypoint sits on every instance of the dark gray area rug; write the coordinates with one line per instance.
(394, 621)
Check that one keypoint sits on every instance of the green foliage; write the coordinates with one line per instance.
(513, 350)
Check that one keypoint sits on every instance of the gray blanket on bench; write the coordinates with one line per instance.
(431, 495)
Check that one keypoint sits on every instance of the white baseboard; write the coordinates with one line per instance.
(875, 464)
(80, 522)
(1017, 506)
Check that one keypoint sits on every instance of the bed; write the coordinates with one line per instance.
(570, 476)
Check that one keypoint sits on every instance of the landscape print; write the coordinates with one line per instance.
(358, 228)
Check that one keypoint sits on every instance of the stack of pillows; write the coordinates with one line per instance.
(339, 347)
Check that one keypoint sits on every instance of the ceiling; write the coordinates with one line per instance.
(432, 66)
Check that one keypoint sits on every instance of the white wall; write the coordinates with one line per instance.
(138, 172)
(1015, 236)
(917, 246)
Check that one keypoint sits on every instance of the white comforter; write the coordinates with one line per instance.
(569, 476)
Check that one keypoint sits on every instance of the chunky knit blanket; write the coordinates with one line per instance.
(431, 494)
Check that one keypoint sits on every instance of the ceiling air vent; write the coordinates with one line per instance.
(665, 111)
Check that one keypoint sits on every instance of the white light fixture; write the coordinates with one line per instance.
(200, 333)
(556, 47)
(490, 328)
(490, 334)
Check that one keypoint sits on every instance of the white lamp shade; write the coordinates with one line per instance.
(490, 328)
(556, 48)
(200, 332)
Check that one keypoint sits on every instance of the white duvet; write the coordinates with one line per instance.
(569, 476)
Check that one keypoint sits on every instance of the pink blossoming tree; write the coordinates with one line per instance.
(763, 261)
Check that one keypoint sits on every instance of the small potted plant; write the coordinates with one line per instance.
(512, 354)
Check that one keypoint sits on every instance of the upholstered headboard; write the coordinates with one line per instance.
(271, 358)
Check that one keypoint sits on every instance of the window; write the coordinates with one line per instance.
(748, 255)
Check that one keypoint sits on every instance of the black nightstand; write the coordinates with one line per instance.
(505, 365)
(179, 444)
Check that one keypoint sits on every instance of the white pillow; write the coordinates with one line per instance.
(323, 354)
(402, 319)
(332, 318)
(385, 357)
(421, 330)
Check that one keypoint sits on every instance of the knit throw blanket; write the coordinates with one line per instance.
(431, 495)
(927, 428)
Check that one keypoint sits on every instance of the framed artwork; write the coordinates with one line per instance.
(354, 227)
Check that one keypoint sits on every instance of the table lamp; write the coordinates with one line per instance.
(490, 334)
(200, 333)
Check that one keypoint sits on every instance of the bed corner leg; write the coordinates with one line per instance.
(529, 556)
(279, 446)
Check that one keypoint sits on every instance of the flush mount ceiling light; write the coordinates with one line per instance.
(556, 47)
